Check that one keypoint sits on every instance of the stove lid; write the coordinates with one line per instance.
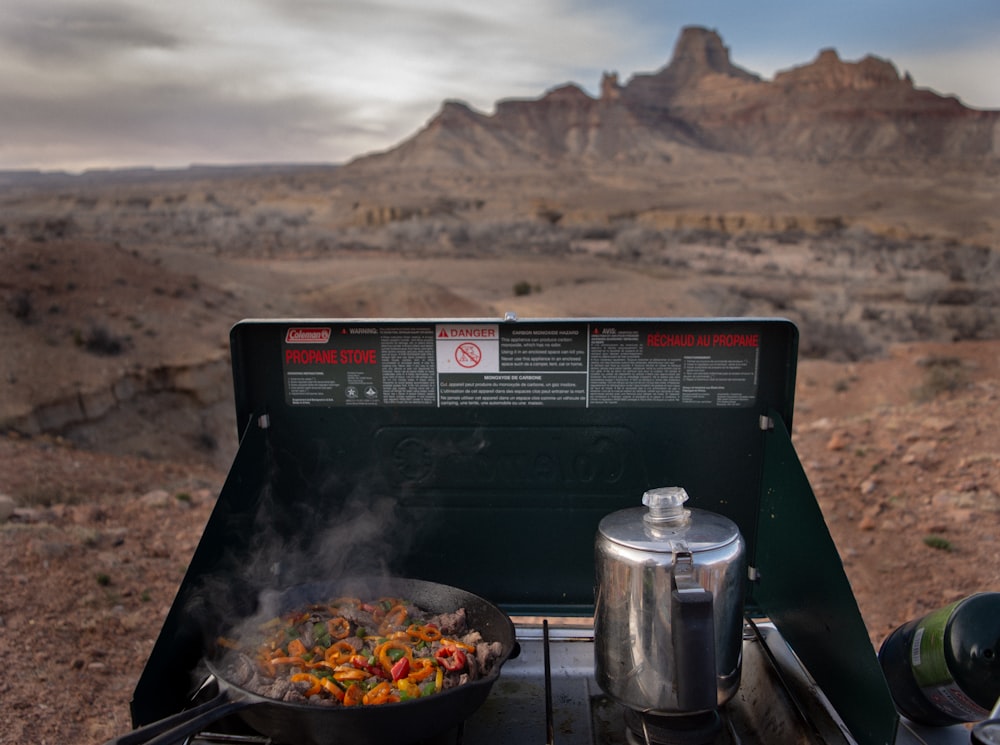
(485, 452)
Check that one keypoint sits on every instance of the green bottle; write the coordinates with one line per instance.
(944, 668)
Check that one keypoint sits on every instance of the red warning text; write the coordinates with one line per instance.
(702, 340)
(464, 332)
(331, 357)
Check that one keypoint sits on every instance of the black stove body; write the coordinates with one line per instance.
(482, 453)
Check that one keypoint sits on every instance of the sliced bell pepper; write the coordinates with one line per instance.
(296, 661)
(332, 688)
(315, 686)
(353, 695)
(339, 653)
(385, 648)
(401, 669)
(426, 632)
(458, 645)
(380, 694)
(339, 628)
(395, 617)
(422, 668)
(361, 663)
(450, 659)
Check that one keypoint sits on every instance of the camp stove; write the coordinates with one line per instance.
(482, 454)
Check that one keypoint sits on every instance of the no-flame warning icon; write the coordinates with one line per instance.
(468, 355)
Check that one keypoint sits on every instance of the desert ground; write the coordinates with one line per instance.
(117, 415)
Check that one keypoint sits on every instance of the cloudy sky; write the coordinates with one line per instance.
(120, 83)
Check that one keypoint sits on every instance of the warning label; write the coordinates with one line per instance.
(521, 365)
(641, 365)
(473, 348)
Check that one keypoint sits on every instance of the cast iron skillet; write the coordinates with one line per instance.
(387, 724)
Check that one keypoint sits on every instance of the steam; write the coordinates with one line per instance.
(316, 537)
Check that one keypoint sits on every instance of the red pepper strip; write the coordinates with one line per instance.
(362, 664)
(451, 660)
(400, 670)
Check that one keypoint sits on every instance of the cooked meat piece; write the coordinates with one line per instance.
(240, 669)
(451, 624)
(486, 654)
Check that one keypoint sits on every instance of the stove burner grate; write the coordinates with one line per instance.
(689, 729)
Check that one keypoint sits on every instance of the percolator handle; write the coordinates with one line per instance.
(693, 619)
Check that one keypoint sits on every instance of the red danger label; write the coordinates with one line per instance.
(467, 332)
(307, 336)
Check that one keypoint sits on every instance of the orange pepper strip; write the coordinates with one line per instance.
(377, 694)
(458, 645)
(353, 695)
(296, 648)
(339, 628)
(421, 668)
(427, 632)
(346, 672)
(332, 688)
(339, 653)
(315, 688)
(396, 616)
(298, 661)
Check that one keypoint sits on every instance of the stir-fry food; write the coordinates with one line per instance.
(349, 652)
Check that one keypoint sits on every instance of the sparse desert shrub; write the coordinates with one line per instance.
(20, 306)
(941, 375)
(101, 341)
(638, 241)
(522, 288)
(936, 541)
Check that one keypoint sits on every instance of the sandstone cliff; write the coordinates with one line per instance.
(827, 109)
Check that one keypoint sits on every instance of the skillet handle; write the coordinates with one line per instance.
(178, 726)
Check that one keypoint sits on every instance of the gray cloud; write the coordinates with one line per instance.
(76, 33)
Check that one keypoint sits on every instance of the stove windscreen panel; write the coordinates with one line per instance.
(491, 449)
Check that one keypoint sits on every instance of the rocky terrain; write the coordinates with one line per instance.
(838, 195)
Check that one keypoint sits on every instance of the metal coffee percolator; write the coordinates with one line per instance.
(668, 619)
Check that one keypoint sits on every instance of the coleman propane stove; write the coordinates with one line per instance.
(482, 454)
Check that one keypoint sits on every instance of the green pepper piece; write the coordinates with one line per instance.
(395, 654)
